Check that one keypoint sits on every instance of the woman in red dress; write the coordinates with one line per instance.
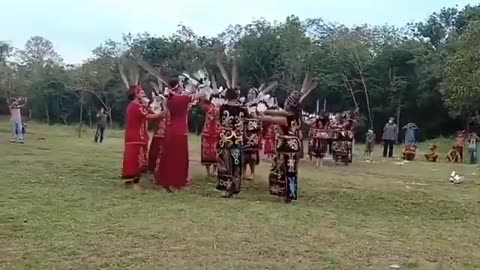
(172, 172)
(134, 157)
(210, 136)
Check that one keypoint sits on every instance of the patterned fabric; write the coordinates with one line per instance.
(317, 143)
(283, 177)
(210, 135)
(253, 133)
(342, 151)
(230, 144)
(136, 144)
(269, 139)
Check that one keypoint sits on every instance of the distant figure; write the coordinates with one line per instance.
(16, 118)
(410, 130)
(460, 139)
(454, 155)
(369, 142)
(409, 152)
(390, 132)
(432, 155)
(473, 147)
(101, 124)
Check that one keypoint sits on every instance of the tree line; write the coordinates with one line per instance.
(425, 72)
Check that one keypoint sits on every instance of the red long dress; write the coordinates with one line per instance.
(210, 135)
(173, 168)
(156, 144)
(134, 157)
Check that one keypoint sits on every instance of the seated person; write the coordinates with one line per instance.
(454, 154)
(409, 152)
(432, 155)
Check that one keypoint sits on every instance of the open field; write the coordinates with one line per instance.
(63, 206)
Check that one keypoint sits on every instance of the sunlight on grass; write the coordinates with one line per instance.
(63, 206)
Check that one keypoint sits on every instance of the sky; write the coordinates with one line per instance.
(77, 26)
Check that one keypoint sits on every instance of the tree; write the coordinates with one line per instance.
(461, 88)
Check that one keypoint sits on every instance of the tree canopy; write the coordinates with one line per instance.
(426, 72)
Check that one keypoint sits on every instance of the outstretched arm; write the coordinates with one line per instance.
(152, 116)
(276, 113)
(279, 120)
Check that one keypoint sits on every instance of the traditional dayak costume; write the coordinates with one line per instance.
(269, 139)
(231, 141)
(210, 134)
(157, 144)
(172, 171)
(135, 157)
(283, 177)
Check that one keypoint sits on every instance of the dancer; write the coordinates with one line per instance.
(134, 158)
(269, 138)
(155, 149)
(172, 172)
(210, 136)
(253, 132)
(283, 177)
(317, 145)
(230, 157)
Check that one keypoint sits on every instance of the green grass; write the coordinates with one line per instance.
(63, 206)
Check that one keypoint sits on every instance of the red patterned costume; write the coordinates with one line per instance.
(135, 157)
(210, 135)
(172, 171)
(269, 140)
(156, 144)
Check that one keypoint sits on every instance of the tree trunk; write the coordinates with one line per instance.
(80, 122)
(47, 113)
(367, 97)
(110, 116)
(398, 120)
(90, 122)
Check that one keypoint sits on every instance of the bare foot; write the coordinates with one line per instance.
(137, 187)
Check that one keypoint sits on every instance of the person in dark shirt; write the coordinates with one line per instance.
(101, 124)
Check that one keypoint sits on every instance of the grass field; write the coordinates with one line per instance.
(63, 206)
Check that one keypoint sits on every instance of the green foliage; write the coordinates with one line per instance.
(425, 72)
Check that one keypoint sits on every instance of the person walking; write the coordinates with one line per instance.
(101, 124)
(390, 132)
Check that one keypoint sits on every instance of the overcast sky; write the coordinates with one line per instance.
(77, 26)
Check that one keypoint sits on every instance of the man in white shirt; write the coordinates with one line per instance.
(16, 118)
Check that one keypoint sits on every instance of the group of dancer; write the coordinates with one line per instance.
(231, 137)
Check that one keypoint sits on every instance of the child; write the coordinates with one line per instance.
(409, 152)
(432, 156)
(369, 142)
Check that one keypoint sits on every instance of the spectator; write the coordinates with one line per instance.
(101, 124)
(390, 132)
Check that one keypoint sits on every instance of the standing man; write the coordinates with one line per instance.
(101, 124)
(390, 132)
(16, 118)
